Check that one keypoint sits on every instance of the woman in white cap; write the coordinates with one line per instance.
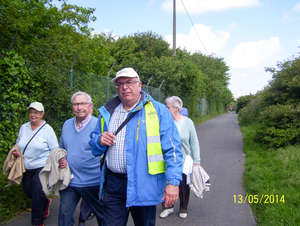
(36, 140)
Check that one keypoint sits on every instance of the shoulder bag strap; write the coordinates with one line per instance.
(186, 152)
(125, 122)
(33, 137)
(184, 149)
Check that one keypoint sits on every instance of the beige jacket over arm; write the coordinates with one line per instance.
(14, 167)
(52, 177)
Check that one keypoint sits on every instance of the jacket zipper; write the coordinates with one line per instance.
(137, 132)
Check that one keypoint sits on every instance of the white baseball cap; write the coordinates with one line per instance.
(126, 72)
(37, 106)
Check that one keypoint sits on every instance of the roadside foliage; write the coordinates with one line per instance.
(275, 111)
(48, 53)
(270, 123)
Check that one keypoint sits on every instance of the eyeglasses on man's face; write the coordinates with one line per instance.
(128, 83)
(82, 104)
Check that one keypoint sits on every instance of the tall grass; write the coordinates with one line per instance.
(275, 174)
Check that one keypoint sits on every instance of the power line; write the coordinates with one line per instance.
(194, 26)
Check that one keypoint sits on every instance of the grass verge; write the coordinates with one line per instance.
(201, 119)
(273, 175)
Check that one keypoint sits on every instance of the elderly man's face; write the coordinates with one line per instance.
(128, 94)
(81, 107)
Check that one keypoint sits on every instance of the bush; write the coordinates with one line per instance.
(243, 101)
(249, 114)
(12, 200)
(279, 126)
(16, 88)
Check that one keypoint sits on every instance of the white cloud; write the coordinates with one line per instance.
(292, 15)
(212, 42)
(203, 6)
(252, 54)
(244, 75)
(105, 33)
(150, 3)
(243, 82)
(297, 7)
(286, 16)
(233, 25)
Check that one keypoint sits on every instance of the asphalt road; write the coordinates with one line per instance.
(223, 159)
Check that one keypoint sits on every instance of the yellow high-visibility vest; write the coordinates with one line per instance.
(155, 156)
(156, 163)
(102, 124)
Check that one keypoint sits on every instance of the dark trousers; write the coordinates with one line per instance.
(184, 196)
(69, 199)
(114, 202)
(33, 189)
(84, 211)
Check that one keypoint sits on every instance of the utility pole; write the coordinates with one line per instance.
(174, 27)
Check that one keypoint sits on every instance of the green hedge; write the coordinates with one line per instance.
(12, 200)
(279, 126)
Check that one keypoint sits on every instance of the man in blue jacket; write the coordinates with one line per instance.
(143, 162)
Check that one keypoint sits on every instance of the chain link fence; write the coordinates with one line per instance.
(61, 83)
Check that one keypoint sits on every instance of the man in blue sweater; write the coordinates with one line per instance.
(85, 167)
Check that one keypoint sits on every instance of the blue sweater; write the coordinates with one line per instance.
(85, 167)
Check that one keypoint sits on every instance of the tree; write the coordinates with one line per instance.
(28, 26)
(284, 88)
(243, 101)
(216, 80)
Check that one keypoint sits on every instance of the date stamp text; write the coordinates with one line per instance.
(262, 199)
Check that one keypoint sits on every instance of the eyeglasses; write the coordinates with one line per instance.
(129, 83)
(79, 104)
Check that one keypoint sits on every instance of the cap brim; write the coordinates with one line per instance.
(116, 78)
(33, 108)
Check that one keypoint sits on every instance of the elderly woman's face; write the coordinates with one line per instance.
(35, 116)
(171, 109)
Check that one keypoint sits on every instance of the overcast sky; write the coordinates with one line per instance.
(249, 34)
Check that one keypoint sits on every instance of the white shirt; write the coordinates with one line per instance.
(116, 154)
(40, 146)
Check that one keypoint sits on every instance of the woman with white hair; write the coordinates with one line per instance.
(190, 146)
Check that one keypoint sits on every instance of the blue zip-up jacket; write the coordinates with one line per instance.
(143, 189)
